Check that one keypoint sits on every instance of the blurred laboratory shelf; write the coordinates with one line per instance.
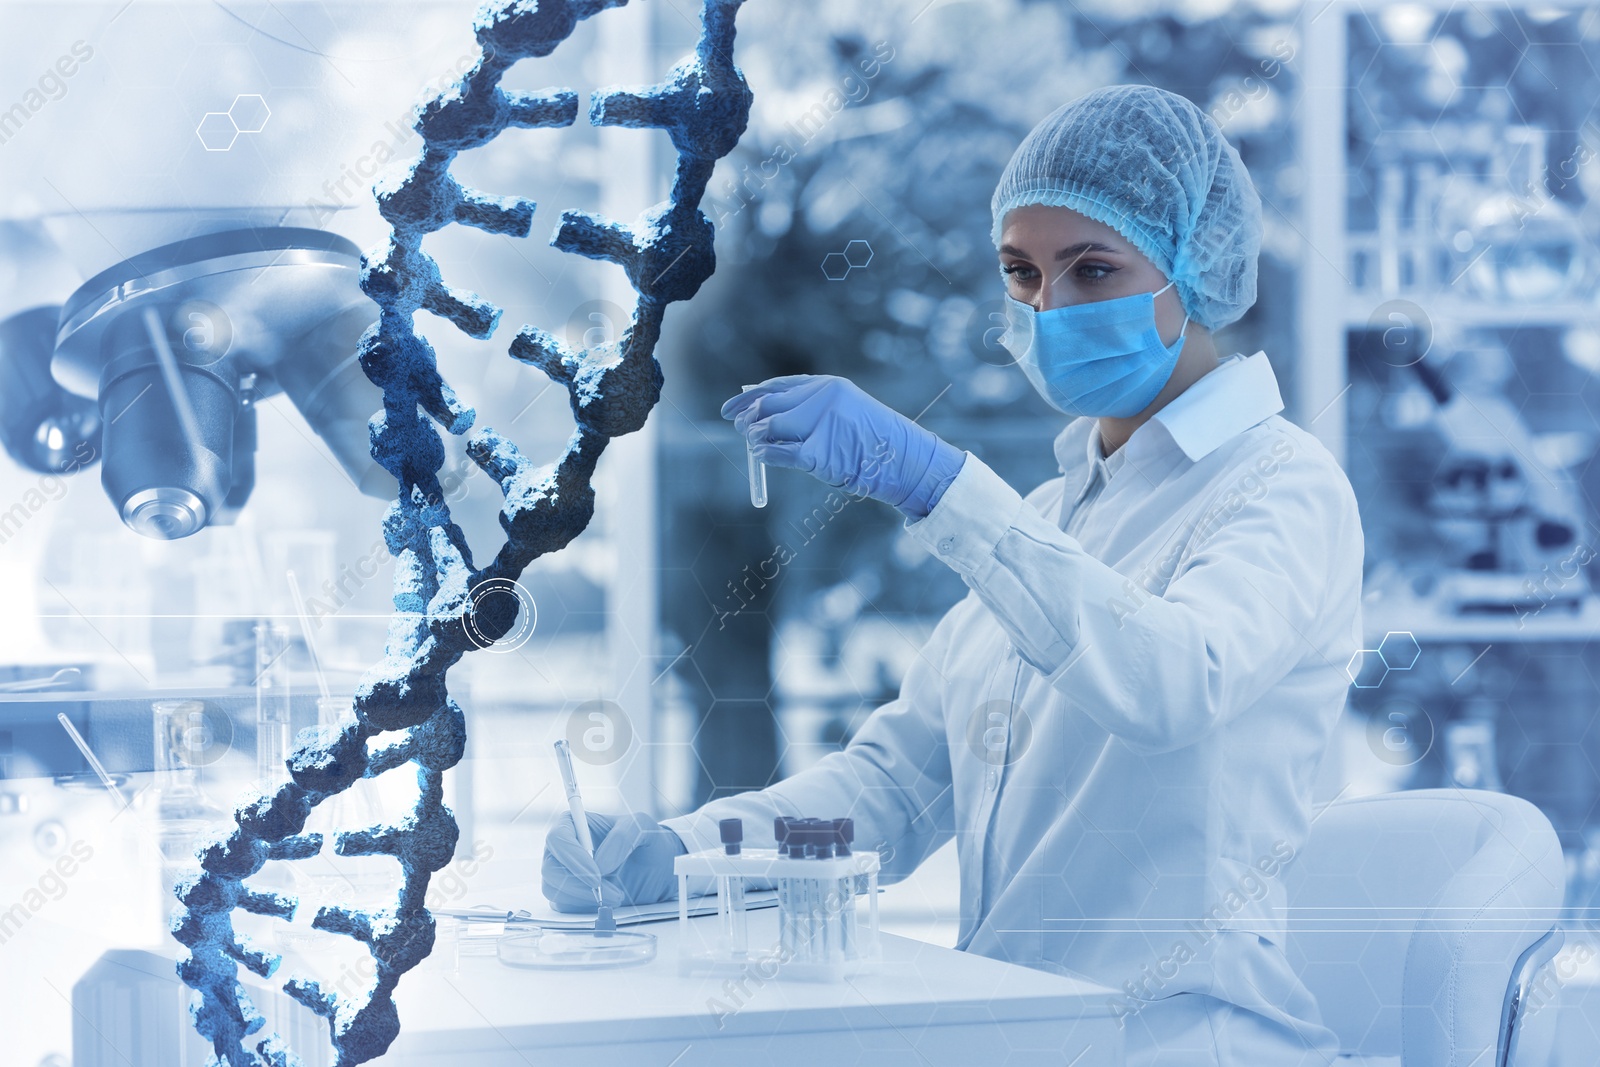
(1363, 310)
(1427, 621)
(921, 1005)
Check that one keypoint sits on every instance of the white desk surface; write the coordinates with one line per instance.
(922, 1005)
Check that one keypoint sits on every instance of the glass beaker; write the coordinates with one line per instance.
(273, 704)
(186, 740)
(350, 881)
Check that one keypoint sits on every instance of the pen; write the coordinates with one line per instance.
(482, 913)
(569, 781)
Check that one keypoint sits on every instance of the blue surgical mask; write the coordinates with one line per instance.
(1103, 358)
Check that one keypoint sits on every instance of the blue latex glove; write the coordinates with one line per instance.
(632, 862)
(828, 427)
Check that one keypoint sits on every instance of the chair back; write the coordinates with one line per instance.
(1415, 917)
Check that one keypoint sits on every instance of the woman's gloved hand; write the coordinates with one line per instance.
(830, 428)
(632, 862)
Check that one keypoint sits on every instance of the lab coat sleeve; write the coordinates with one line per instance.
(893, 778)
(1243, 606)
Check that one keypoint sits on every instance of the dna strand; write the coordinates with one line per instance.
(445, 605)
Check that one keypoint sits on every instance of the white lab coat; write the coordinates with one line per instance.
(1120, 728)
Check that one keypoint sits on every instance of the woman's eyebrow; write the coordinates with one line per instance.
(1066, 253)
(1085, 246)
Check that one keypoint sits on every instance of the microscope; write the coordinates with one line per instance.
(153, 367)
(1510, 523)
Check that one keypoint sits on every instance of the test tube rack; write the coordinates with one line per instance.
(823, 936)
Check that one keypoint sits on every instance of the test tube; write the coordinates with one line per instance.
(808, 921)
(823, 900)
(802, 902)
(756, 469)
(844, 836)
(798, 909)
(730, 892)
(272, 704)
(780, 831)
(786, 916)
(843, 891)
(816, 904)
(808, 915)
(731, 888)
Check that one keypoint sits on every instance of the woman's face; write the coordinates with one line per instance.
(1053, 257)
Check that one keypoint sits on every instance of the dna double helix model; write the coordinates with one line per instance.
(445, 604)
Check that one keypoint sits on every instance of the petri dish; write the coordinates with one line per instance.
(481, 938)
(575, 949)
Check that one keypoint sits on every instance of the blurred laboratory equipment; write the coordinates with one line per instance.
(274, 724)
(65, 678)
(1512, 239)
(274, 703)
(93, 760)
(1471, 756)
(178, 344)
(1508, 518)
(42, 426)
(130, 1010)
(331, 877)
(1448, 335)
(305, 633)
(1473, 203)
(819, 880)
(186, 739)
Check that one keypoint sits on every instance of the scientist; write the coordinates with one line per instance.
(1121, 722)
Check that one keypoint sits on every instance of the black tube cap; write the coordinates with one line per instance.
(795, 838)
(732, 831)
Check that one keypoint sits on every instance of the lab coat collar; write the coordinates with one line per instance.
(1241, 392)
(1078, 439)
(1112, 463)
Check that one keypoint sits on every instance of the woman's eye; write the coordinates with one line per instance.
(1017, 271)
(1093, 272)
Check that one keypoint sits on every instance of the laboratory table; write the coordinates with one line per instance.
(922, 1005)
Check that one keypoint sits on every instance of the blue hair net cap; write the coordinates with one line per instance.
(1155, 168)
